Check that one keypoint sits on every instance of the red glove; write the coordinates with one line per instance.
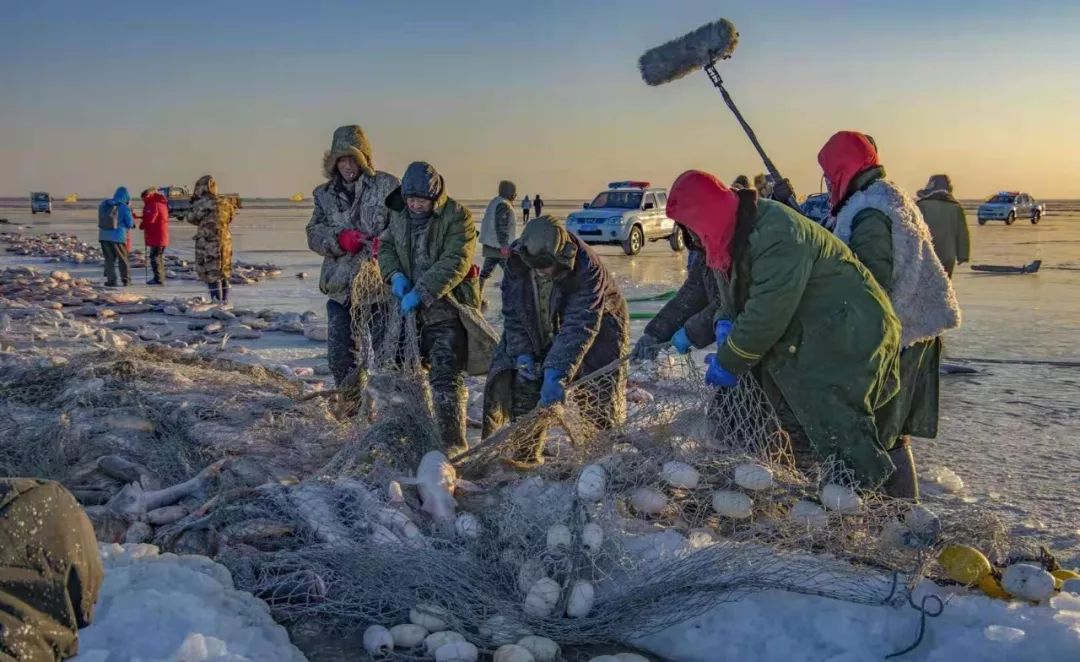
(505, 252)
(375, 243)
(351, 241)
(474, 272)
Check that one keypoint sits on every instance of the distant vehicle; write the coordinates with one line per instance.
(628, 214)
(816, 207)
(1010, 205)
(40, 201)
(179, 198)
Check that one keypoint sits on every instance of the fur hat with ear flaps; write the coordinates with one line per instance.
(349, 141)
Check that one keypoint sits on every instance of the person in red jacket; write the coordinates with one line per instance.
(155, 227)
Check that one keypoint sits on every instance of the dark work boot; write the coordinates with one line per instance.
(904, 483)
(450, 412)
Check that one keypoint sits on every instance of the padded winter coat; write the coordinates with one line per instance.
(452, 242)
(155, 220)
(693, 307)
(948, 226)
(212, 215)
(50, 570)
(337, 210)
(589, 317)
(915, 408)
(822, 330)
(125, 221)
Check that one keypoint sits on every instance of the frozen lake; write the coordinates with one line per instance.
(1011, 432)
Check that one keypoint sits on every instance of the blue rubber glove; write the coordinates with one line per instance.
(722, 329)
(552, 390)
(526, 367)
(681, 341)
(410, 302)
(399, 285)
(716, 376)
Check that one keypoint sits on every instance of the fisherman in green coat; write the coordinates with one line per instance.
(947, 222)
(809, 320)
(887, 233)
(426, 255)
(50, 570)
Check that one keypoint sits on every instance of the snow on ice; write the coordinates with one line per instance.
(167, 608)
(785, 627)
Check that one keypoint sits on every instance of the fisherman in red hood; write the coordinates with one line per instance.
(155, 226)
(807, 319)
(885, 229)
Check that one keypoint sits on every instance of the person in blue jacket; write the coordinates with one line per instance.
(114, 223)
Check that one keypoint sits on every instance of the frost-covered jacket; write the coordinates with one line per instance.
(50, 570)
(694, 306)
(498, 227)
(336, 209)
(886, 231)
(822, 329)
(451, 243)
(948, 227)
(213, 214)
(588, 315)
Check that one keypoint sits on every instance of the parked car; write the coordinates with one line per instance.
(1010, 205)
(629, 214)
(40, 201)
(179, 198)
(816, 207)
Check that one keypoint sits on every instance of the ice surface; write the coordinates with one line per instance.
(167, 608)
(784, 627)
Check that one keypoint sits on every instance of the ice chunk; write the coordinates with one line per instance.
(1004, 633)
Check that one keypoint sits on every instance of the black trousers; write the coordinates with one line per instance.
(157, 262)
(116, 255)
(489, 267)
(444, 347)
(219, 291)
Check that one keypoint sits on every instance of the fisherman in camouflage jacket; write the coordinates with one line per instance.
(213, 214)
(350, 214)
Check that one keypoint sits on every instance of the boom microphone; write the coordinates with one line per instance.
(679, 57)
(701, 49)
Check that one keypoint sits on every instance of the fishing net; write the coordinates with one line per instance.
(634, 518)
(172, 412)
(656, 497)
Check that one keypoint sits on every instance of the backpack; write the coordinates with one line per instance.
(108, 217)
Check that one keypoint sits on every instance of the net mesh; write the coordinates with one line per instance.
(684, 499)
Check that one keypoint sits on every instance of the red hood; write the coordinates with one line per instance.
(843, 157)
(154, 197)
(701, 203)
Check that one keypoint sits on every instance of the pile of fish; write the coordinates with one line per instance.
(45, 299)
(58, 247)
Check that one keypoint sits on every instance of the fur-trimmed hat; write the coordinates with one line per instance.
(349, 141)
(204, 186)
(937, 183)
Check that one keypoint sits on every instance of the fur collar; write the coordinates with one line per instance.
(921, 292)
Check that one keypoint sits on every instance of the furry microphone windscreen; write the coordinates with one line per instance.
(678, 57)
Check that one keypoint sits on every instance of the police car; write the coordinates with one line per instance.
(1010, 205)
(629, 214)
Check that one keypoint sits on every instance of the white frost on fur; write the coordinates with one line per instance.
(922, 294)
